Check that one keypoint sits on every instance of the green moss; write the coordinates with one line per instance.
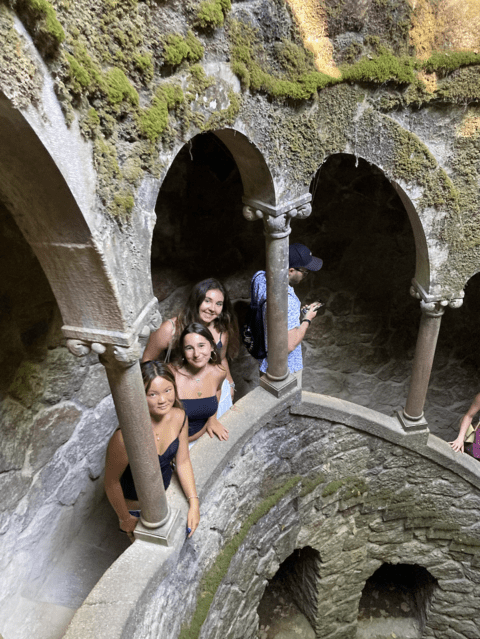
(211, 13)
(119, 88)
(213, 577)
(295, 60)
(383, 68)
(309, 485)
(447, 62)
(199, 80)
(462, 87)
(355, 487)
(84, 73)
(154, 120)
(246, 50)
(45, 12)
(122, 205)
(90, 123)
(178, 49)
(144, 63)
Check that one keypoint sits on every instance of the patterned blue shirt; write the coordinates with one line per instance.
(295, 362)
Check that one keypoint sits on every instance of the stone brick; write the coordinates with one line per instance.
(52, 428)
(455, 585)
(465, 627)
(390, 537)
(13, 486)
(95, 386)
(16, 426)
(268, 565)
(449, 570)
(63, 375)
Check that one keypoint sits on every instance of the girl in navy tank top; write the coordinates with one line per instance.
(199, 381)
(170, 431)
(209, 304)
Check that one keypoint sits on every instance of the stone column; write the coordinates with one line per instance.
(125, 380)
(412, 417)
(276, 220)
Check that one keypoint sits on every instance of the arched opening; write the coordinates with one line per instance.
(289, 604)
(396, 599)
(201, 232)
(361, 348)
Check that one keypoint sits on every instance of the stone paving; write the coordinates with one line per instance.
(47, 613)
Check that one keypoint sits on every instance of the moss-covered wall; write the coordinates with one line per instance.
(139, 77)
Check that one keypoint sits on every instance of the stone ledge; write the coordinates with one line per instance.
(111, 609)
(389, 429)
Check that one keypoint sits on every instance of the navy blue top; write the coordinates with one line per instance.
(165, 461)
(198, 411)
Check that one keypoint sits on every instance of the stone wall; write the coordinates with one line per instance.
(56, 416)
(356, 498)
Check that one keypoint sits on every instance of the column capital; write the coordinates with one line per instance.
(276, 219)
(109, 354)
(428, 302)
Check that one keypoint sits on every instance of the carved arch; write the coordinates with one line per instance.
(42, 204)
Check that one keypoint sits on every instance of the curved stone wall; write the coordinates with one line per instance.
(341, 479)
(56, 416)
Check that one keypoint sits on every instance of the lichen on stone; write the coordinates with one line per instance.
(20, 78)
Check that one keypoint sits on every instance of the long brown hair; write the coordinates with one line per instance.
(226, 322)
(153, 369)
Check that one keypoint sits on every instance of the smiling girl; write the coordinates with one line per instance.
(209, 304)
(199, 381)
(170, 432)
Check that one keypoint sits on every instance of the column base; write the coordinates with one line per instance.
(278, 389)
(163, 535)
(418, 426)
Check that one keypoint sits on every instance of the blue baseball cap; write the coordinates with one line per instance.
(300, 256)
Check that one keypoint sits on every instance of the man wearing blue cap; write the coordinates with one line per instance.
(301, 262)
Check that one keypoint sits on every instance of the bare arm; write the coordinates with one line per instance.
(458, 444)
(159, 341)
(296, 335)
(115, 463)
(213, 426)
(187, 480)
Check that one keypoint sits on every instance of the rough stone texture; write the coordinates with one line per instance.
(55, 420)
(361, 513)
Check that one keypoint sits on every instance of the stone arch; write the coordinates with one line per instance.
(422, 263)
(402, 591)
(256, 176)
(48, 214)
(424, 187)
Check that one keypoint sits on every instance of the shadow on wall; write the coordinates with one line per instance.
(362, 348)
(55, 420)
(201, 232)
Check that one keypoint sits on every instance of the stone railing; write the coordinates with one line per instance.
(341, 479)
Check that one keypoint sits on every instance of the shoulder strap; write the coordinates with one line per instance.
(170, 343)
(184, 420)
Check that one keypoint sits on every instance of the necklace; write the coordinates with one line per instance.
(197, 380)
